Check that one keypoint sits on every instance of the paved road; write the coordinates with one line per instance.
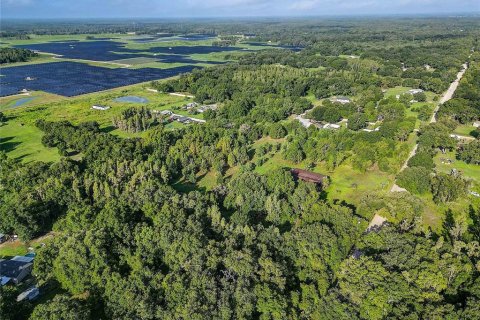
(446, 96)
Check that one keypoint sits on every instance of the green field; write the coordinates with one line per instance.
(22, 140)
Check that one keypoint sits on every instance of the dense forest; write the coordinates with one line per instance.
(9, 55)
(134, 236)
(258, 246)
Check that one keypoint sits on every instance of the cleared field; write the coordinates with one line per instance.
(471, 171)
(21, 139)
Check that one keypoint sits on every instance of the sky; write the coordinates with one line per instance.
(45, 9)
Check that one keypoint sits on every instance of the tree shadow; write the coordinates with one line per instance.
(8, 146)
(108, 129)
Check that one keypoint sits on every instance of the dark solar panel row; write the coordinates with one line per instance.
(73, 78)
(111, 50)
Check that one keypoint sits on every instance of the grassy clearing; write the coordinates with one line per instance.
(471, 171)
(22, 140)
(18, 248)
(25, 143)
(465, 130)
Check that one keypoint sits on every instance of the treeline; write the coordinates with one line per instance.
(9, 55)
(135, 119)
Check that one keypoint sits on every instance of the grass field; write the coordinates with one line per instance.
(465, 130)
(18, 248)
(471, 171)
(22, 140)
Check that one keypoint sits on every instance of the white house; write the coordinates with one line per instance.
(99, 107)
(342, 100)
(476, 124)
(415, 91)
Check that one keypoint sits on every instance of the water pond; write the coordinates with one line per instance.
(133, 99)
(22, 101)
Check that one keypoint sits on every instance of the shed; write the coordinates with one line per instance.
(307, 176)
(29, 294)
(100, 107)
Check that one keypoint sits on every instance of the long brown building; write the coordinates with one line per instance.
(308, 176)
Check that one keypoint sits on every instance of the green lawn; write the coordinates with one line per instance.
(25, 143)
(19, 248)
(471, 171)
(465, 130)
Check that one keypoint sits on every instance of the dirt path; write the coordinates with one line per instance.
(446, 96)
(449, 93)
(181, 95)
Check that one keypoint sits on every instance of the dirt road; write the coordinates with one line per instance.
(449, 93)
(446, 96)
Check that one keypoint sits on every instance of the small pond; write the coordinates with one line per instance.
(22, 101)
(133, 99)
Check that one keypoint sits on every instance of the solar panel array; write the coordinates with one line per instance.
(112, 50)
(73, 78)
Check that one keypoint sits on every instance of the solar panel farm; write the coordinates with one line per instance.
(72, 73)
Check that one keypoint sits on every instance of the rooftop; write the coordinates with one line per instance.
(307, 175)
(12, 268)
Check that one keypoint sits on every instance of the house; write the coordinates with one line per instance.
(184, 120)
(166, 113)
(476, 124)
(304, 121)
(341, 99)
(99, 107)
(415, 91)
(331, 126)
(307, 176)
(15, 270)
(204, 108)
(190, 105)
(29, 294)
